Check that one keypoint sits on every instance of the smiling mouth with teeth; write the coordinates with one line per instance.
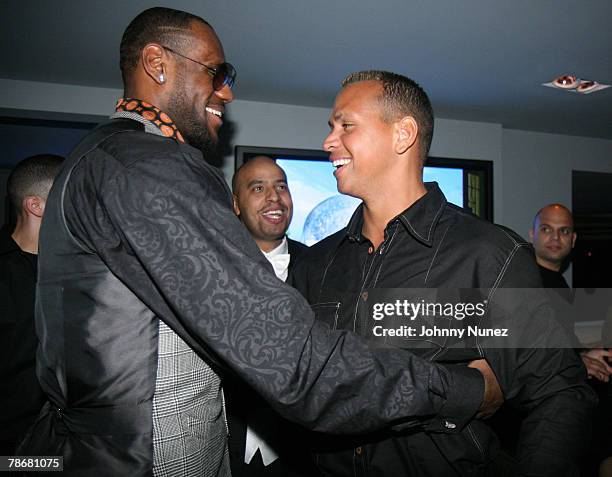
(273, 213)
(340, 162)
(219, 114)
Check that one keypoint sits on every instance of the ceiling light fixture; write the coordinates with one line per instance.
(573, 84)
(566, 82)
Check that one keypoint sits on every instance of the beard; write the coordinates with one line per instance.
(192, 125)
(196, 133)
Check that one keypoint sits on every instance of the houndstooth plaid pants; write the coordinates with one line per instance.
(189, 426)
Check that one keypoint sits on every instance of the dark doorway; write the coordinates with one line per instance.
(592, 210)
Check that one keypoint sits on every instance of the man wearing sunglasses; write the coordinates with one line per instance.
(150, 289)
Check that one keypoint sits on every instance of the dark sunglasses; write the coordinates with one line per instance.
(224, 74)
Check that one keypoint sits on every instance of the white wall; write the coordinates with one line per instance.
(276, 125)
(57, 98)
(538, 171)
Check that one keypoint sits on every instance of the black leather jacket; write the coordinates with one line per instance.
(434, 244)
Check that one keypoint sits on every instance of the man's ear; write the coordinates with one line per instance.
(574, 237)
(34, 205)
(531, 234)
(235, 205)
(407, 131)
(153, 62)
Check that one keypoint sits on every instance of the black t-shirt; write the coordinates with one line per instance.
(552, 279)
(562, 298)
(20, 395)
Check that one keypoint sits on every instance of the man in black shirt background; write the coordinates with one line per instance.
(20, 394)
(553, 237)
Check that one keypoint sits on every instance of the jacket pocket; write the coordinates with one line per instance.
(327, 312)
(471, 450)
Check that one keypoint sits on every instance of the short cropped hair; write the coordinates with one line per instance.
(32, 176)
(154, 25)
(401, 97)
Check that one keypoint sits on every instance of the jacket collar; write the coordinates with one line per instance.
(419, 219)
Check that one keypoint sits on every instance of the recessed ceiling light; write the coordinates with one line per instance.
(587, 86)
(566, 82)
(573, 84)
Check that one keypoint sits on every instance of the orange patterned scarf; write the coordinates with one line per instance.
(150, 113)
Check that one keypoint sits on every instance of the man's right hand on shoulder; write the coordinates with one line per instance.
(596, 364)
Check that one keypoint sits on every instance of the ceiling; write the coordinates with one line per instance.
(479, 60)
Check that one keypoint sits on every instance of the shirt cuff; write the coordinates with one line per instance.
(465, 393)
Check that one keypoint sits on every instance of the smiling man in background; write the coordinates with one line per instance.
(262, 201)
